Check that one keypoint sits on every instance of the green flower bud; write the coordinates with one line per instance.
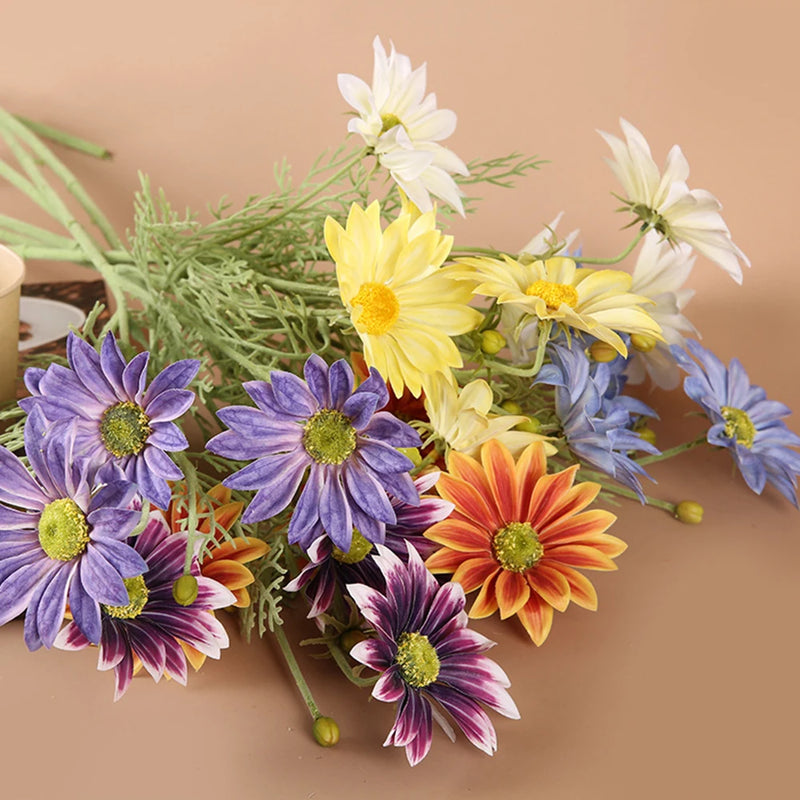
(184, 590)
(492, 342)
(325, 731)
(412, 453)
(602, 352)
(511, 407)
(349, 639)
(531, 426)
(642, 342)
(689, 512)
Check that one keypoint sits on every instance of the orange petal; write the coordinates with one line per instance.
(537, 617)
(470, 470)
(576, 555)
(229, 573)
(548, 494)
(581, 590)
(242, 549)
(474, 572)
(610, 545)
(550, 585)
(458, 535)
(242, 598)
(467, 499)
(574, 500)
(486, 602)
(219, 494)
(585, 525)
(502, 476)
(445, 560)
(531, 465)
(224, 516)
(194, 657)
(512, 592)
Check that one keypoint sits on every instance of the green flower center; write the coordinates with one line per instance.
(124, 429)
(328, 437)
(553, 294)
(137, 599)
(738, 425)
(359, 549)
(517, 547)
(63, 530)
(389, 121)
(652, 218)
(417, 659)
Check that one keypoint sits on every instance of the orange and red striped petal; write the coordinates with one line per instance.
(445, 560)
(242, 597)
(469, 469)
(587, 524)
(502, 477)
(547, 495)
(548, 582)
(242, 549)
(531, 466)
(537, 617)
(231, 574)
(474, 572)
(224, 516)
(582, 556)
(512, 592)
(582, 592)
(460, 535)
(467, 499)
(486, 602)
(574, 500)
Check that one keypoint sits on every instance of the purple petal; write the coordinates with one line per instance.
(390, 687)
(376, 610)
(85, 610)
(113, 645)
(18, 487)
(112, 523)
(360, 408)
(101, 580)
(123, 673)
(85, 362)
(114, 494)
(315, 372)
(149, 647)
(369, 494)
(124, 558)
(306, 510)
(167, 436)
(135, 376)
(113, 364)
(447, 603)
(374, 653)
(334, 511)
(383, 457)
(159, 463)
(169, 405)
(175, 376)
(71, 638)
(469, 716)
(18, 588)
(292, 394)
(341, 383)
(387, 428)
(480, 678)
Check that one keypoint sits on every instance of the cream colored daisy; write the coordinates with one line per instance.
(463, 419)
(404, 305)
(598, 302)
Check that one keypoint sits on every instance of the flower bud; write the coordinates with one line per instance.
(184, 590)
(511, 407)
(602, 352)
(647, 434)
(643, 342)
(689, 512)
(411, 453)
(325, 731)
(349, 639)
(531, 426)
(492, 342)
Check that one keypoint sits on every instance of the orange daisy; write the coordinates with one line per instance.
(519, 534)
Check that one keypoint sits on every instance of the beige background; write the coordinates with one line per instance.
(685, 681)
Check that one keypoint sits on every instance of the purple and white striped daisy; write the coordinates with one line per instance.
(124, 427)
(330, 568)
(428, 658)
(150, 624)
(62, 536)
(322, 427)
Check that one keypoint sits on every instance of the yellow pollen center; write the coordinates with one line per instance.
(738, 425)
(379, 308)
(124, 429)
(328, 436)
(417, 659)
(553, 294)
(137, 599)
(63, 530)
(360, 548)
(389, 121)
(517, 547)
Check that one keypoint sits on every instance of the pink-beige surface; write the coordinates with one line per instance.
(684, 683)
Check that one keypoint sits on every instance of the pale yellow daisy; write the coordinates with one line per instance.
(404, 305)
(462, 418)
(598, 302)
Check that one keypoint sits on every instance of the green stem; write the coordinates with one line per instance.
(545, 326)
(294, 668)
(190, 474)
(597, 477)
(466, 252)
(34, 252)
(673, 451)
(347, 671)
(66, 139)
(32, 234)
(616, 259)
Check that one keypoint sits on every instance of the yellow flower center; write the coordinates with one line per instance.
(124, 429)
(554, 294)
(137, 599)
(738, 425)
(517, 547)
(63, 530)
(359, 549)
(328, 437)
(389, 121)
(417, 659)
(379, 308)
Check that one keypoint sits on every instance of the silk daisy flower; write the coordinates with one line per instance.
(598, 302)
(520, 536)
(404, 305)
(124, 426)
(428, 659)
(403, 127)
(665, 203)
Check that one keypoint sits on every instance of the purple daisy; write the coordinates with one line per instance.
(743, 420)
(428, 658)
(62, 536)
(337, 435)
(123, 427)
(329, 567)
(150, 624)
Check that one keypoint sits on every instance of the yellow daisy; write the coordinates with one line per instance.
(403, 303)
(598, 302)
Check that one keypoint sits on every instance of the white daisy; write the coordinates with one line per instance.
(660, 274)
(667, 204)
(403, 128)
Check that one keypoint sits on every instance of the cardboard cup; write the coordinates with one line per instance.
(12, 271)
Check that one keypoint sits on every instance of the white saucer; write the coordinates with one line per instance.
(49, 320)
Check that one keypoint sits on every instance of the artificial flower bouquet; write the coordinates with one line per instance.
(387, 423)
